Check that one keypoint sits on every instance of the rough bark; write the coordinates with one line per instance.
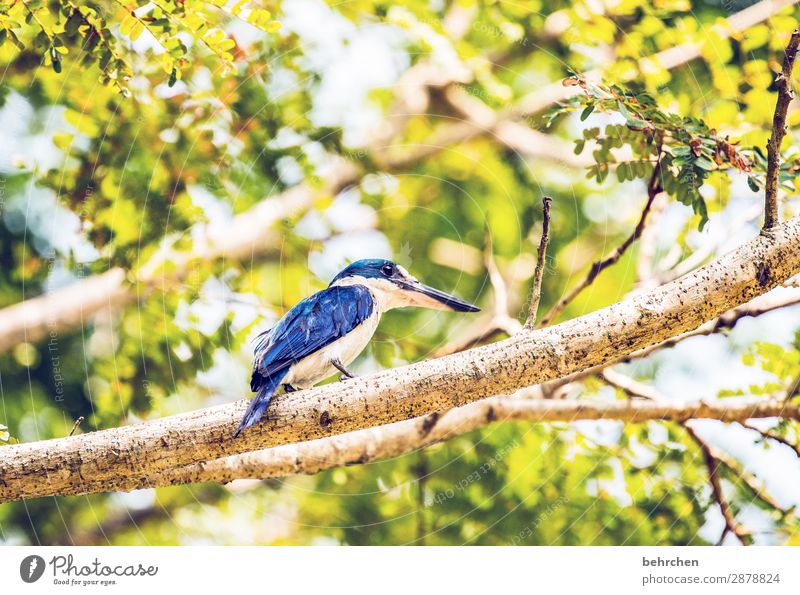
(372, 444)
(105, 458)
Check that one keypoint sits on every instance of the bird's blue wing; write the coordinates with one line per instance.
(312, 324)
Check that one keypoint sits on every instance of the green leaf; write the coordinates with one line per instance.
(704, 162)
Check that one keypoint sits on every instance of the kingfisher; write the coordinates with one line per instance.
(326, 331)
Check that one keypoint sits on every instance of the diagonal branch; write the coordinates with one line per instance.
(755, 485)
(364, 446)
(107, 458)
(712, 457)
(712, 465)
(785, 96)
(772, 435)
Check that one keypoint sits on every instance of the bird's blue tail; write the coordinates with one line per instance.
(259, 403)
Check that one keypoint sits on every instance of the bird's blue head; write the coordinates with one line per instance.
(397, 287)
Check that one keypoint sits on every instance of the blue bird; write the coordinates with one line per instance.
(326, 331)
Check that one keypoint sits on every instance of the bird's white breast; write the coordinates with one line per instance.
(316, 367)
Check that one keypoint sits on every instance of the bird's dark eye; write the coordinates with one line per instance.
(388, 269)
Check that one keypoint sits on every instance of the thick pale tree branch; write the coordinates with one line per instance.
(785, 96)
(108, 457)
(364, 446)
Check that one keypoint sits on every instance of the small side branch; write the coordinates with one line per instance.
(78, 422)
(785, 96)
(541, 259)
(772, 435)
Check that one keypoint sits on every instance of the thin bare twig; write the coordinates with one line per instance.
(785, 96)
(541, 257)
(653, 190)
(752, 482)
(771, 435)
(78, 422)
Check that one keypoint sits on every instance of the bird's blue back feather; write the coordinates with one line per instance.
(315, 322)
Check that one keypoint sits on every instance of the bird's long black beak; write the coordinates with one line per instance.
(430, 297)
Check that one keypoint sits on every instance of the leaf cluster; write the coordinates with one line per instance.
(686, 147)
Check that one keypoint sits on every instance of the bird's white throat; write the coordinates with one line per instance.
(386, 294)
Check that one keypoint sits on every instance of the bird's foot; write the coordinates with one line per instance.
(346, 374)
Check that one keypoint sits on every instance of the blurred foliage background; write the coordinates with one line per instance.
(128, 126)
